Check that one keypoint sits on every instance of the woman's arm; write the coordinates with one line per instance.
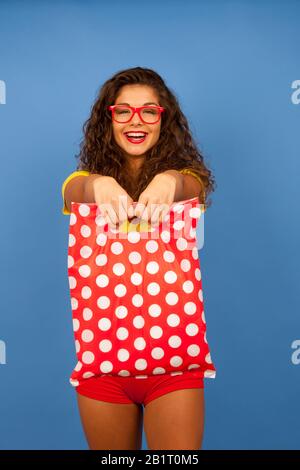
(187, 185)
(79, 188)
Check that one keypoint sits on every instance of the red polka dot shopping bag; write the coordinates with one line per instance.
(136, 295)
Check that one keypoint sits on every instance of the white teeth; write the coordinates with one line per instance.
(135, 135)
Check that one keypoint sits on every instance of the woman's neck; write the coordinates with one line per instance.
(134, 166)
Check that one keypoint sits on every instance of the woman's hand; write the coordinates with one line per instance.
(154, 202)
(112, 199)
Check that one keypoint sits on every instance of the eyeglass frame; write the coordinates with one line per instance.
(135, 110)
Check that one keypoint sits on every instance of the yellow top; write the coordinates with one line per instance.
(71, 176)
(65, 211)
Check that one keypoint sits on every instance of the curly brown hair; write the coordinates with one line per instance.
(175, 148)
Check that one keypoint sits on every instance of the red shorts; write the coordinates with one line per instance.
(116, 389)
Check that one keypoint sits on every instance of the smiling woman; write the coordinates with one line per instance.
(105, 149)
(137, 304)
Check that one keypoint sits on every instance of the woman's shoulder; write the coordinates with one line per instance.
(189, 171)
(64, 184)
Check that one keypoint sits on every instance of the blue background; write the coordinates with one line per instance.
(231, 64)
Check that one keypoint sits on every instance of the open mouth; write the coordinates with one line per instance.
(136, 138)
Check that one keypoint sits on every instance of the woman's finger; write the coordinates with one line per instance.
(130, 211)
(111, 213)
(165, 210)
(155, 214)
(123, 209)
(140, 207)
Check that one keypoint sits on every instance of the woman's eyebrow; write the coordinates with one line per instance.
(149, 102)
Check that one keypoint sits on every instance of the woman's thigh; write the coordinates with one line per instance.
(111, 426)
(175, 420)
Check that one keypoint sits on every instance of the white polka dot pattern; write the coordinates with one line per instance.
(136, 297)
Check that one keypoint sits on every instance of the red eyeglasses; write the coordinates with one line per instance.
(124, 113)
